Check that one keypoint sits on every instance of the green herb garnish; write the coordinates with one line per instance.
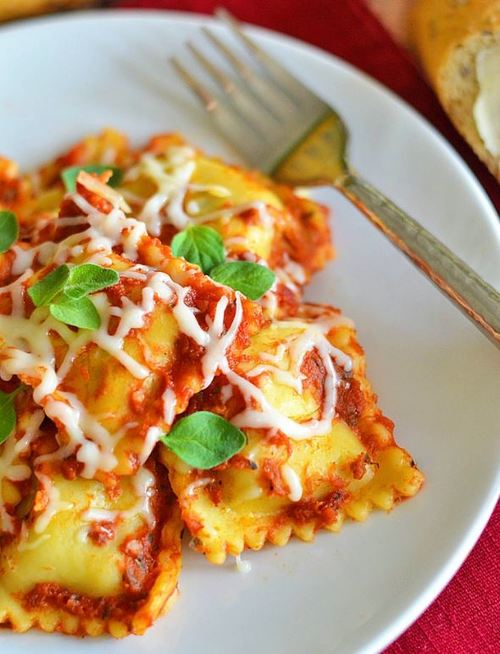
(79, 313)
(89, 278)
(43, 292)
(70, 174)
(8, 416)
(251, 279)
(203, 246)
(9, 230)
(204, 440)
(200, 245)
(65, 291)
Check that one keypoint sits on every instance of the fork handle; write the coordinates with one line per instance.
(465, 288)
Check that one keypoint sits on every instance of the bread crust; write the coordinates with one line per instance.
(447, 35)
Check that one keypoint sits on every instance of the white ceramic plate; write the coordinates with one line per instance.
(435, 374)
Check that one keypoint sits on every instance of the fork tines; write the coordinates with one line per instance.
(260, 103)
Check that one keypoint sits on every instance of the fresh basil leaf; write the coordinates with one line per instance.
(204, 440)
(89, 278)
(9, 230)
(8, 416)
(70, 174)
(78, 313)
(43, 292)
(251, 279)
(199, 245)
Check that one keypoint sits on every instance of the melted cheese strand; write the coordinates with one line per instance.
(29, 346)
(54, 504)
(171, 188)
(17, 290)
(293, 482)
(25, 258)
(219, 343)
(169, 400)
(11, 467)
(144, 487)
(242, 566)
(166, 206)
(260, 414)
(191, 488)
(285, 377)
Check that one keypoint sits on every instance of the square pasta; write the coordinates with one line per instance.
(318, 449)
(170, 186)
(78, 556)
(113, 390)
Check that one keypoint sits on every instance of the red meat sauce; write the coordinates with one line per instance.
(351, 401)
(322, 512)
(210, 399)
(52, 595)
(9, 191)
(307, 236)
(140, 565)
(6, 277)
(271, 474)
(101, 533)
(214, 490)
(314, 373)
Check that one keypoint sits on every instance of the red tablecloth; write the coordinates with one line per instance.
(465, 618)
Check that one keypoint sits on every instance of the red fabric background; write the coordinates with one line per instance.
(465, 618)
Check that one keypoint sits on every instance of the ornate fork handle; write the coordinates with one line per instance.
(470, 293)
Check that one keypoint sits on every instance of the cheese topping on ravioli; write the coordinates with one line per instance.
(159, 370)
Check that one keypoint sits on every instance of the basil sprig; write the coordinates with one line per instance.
(65, 291)
(8, 416)
(203, 246)
(79, 313)
(9, 230)
(70, 174)
(204, 440)
(200, 245)
(251, 279)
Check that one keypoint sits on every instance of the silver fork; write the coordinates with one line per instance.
(288, 132)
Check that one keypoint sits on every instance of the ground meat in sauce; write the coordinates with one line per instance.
(141, 549)
(193, 524)
(140, 552)
(103, 532)
(187, 361)
(350, 401)
(281, 440)
(9, 191)
(238, 462)
(322, 512)
(358, 466)
(214, 490)
(53, 595)
(140, 566)
(271, 474)
(210, 399)
(314, 374)
(71, 468)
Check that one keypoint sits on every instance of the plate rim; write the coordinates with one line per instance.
(124, 13)
(400, 622)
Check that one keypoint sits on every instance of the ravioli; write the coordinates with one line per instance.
(77, 555)
(318, 450)
(93, 561)
(173, 186)
(170, 186)
(113, 391)
(36, 197)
